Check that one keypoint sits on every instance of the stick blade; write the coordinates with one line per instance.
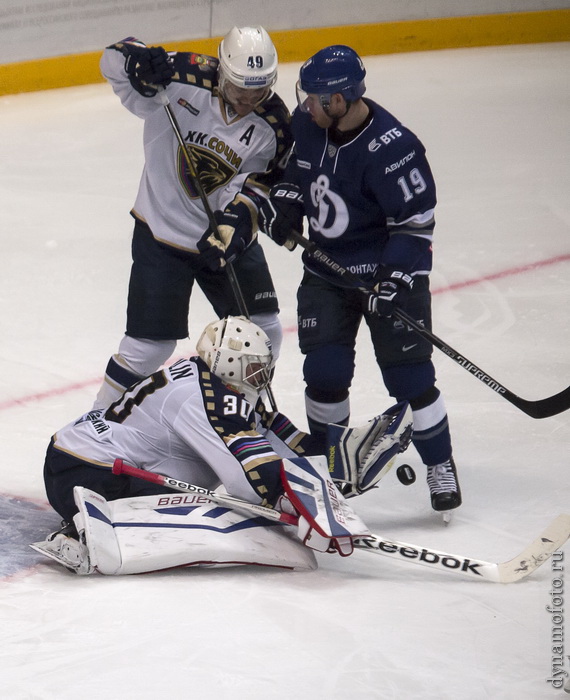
(544, 408)
(539, 551)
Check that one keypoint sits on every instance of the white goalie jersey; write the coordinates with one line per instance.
(185, 423)
(230, 151)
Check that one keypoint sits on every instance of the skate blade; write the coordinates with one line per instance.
(43, 549)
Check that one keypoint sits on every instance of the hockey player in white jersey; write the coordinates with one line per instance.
(201, 421)
(237, 134)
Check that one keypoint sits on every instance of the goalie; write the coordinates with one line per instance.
(202, 420)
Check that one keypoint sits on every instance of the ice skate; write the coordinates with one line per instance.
(65, 547)
(444, 488)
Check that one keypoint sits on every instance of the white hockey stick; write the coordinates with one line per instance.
(517, 568)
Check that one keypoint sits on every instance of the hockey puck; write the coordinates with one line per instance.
(406, 475)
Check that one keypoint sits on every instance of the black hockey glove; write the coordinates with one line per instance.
(391, 289)
(235, 229)
(282, 213)
(148, 69)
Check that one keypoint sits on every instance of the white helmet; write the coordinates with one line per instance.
(248, 58)
(238, 352)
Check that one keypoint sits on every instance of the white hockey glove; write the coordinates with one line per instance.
(326, 521)
(360, 457)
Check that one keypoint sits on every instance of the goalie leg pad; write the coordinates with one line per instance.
(151, 533)
(360, 457)
(95, 526)
(326, 521)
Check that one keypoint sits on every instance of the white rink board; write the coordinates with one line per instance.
(32, 29)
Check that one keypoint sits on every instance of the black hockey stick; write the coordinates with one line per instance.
(197, 184)
(550, 540)
(543, 408)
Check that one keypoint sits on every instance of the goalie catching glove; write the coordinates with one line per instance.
(360, 457)
(326, 521)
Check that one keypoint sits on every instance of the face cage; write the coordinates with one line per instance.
(256, 371)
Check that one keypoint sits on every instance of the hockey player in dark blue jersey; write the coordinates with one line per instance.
(363, 182)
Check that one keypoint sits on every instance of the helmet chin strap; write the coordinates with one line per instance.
(325, 104)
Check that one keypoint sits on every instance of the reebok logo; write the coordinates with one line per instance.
(424, 555)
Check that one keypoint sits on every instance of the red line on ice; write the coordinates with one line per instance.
(511, 272)
(503, 273)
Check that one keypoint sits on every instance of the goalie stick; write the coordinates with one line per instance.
(197, 184)
(542, 408)
(515, 569)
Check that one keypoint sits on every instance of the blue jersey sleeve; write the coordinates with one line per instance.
(405, 190)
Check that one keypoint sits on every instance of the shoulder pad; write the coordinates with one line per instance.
(195, 69)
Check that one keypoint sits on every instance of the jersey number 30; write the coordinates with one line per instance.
(235, 405)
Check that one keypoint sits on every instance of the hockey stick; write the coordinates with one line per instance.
(543, 408)
(222, 499)
(197, 184)
(552, 539)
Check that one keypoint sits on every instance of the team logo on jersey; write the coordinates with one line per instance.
(331, 150)
(332, 216)
(202, 61)
(214, 172)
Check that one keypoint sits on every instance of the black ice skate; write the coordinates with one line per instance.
(443, 486)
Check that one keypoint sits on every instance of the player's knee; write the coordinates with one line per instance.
(410, 382)
(143, 356)
(329, 369)
(270, 323)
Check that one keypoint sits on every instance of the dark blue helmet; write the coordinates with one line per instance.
(334, 69)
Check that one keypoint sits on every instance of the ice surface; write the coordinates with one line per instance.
(495, 124)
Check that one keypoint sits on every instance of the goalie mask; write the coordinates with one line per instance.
(238, 352)
(334, 69)
(248, 66)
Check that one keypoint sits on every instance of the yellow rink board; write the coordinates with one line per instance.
(299, 44)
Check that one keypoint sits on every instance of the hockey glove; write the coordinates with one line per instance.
(148, 68)
(391, 290)
(233, 236)
(326, 521)
(282, 213)
(360, 457)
